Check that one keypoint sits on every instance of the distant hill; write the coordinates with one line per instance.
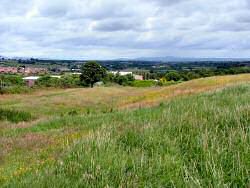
(149, 59)
(188, 59)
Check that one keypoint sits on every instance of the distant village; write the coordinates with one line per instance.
(22, 70)
(31, 74)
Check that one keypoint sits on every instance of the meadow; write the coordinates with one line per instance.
(193, 134)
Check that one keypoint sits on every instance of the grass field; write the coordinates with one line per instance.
(193, 134)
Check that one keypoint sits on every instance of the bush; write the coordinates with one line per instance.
(48, 81)
(70, 81)
(66, 81)
(11, 80)
(126, 80)
(164, 82)
(15, 90)
(192, 75)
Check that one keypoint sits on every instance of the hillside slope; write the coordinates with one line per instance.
(193, 140)
(57, 102)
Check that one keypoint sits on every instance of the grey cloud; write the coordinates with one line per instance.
(54, 11)
(75, 9)
(121, 27)
(165, 2)
(117, 25)
(243, 17)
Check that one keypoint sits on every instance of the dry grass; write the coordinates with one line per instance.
(49, 105)
(153, 97)
(44, 104)
(57, 102)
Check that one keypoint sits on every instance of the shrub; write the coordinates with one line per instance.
(48, 81)
(164, 82)
(15, 90)
(11, 80)
(124, 80)
(70, 81)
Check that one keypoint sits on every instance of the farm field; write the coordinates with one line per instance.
(193, 134)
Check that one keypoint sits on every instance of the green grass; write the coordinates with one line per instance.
(14, 116)
(61, 102)
(15, 90)
(143, 83)
(191, 141)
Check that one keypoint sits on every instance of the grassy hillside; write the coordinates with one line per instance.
(199, 137)
(59, 102)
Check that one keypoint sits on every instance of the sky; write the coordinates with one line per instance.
(111, 29)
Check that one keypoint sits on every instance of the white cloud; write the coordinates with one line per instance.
(124, 28)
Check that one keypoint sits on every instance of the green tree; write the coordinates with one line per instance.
(124, 80)
(192, 75)
(173, 76)
(92, 72)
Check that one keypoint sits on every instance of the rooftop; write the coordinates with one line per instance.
(31, 78)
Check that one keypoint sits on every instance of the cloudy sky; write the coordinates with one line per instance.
(107, 29)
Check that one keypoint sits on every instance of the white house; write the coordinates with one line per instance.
(121, 73)
(55, 76)
(30, 80)
(137, 77)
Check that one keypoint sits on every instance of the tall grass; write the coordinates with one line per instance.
(14, 116)
(144, 83)
(56, 102)
(15, 90)
(195, 141)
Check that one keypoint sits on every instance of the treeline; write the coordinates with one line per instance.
(66, 81)
(185, 75)
(157, 66)
(95, 74)
(14, 84)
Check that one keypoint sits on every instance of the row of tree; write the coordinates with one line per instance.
(93, 72)
(185, 75)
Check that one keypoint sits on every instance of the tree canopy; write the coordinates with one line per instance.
(92, 72)
(173, 76)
